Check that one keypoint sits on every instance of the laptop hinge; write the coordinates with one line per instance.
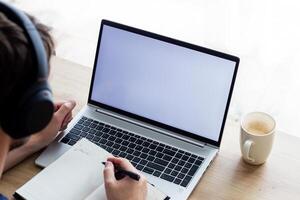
(198, 143)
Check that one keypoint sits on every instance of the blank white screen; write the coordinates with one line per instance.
(167, 83)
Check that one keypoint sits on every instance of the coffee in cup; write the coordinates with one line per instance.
(256, 137)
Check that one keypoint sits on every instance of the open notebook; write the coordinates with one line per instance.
(76, 175)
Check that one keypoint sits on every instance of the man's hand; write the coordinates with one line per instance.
(125, 188)
(60, 120)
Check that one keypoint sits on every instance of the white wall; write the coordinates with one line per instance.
(265, 34)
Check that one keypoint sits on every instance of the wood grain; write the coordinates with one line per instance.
(228, 178)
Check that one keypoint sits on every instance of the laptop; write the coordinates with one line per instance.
(157, 101)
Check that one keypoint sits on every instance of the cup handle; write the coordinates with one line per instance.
(246, 149)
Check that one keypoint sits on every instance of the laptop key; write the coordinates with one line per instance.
(152, 146)
(78, 126)
(139, 148)
(150, 158)
(125, 137)
(86, 129)
(181, 163)
(169, 152)
(122, 154)
(136, 153)
(132, 145)
(171, 165)
(156, 173)
(139, 141)
(174, 173)
(109, 149)
(71, 142)
(116, 146)
(148, 170)
(111, 138)
(65, 140)
(98, 133)
(129, 157)
(83, 134)
(73, 137)
(105, 136)
(184, 157)
(198, 162)
(175, 160)
(118, 140)
(155, 166)
(92, 131)
(159, 155)
(160, 161)
(75, 131)
(80, 121)
(116, 152)
(143, 155)
(186, 181)
(123, 148)
(86, 123)
(136, 159)
(177, 181)
(139, 167)
(166, 157)
(109, 143)
(193, 170)
(145, 150)
(152, 152)
(93, 125)
(130, 151)
(99, 127)
(146, 144)
(143, 162)
(105, 130)
(181, 175)
(167, 171)
(167, 177)
(96, 139)
(103, 141)
(184, 170)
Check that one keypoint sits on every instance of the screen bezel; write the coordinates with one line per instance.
(175, 42)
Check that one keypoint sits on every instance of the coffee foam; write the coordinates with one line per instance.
(258, 127)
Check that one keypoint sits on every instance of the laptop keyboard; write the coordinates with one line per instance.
(152, 157)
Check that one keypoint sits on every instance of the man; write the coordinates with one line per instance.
(15, 69)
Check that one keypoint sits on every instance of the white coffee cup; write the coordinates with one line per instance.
(256, 137)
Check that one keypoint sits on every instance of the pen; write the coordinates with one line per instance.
(120, 173)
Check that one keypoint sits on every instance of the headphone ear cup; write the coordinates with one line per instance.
(38, 109)
(32, 113)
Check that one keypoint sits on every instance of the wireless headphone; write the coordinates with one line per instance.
(32, 109)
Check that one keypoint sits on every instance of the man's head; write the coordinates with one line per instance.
(16, 59)
(19, 73)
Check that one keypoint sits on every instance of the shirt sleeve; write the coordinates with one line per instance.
(3, 197)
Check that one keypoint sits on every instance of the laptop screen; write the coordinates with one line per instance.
(167, 83)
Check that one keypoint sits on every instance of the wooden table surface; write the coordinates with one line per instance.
(227, 178)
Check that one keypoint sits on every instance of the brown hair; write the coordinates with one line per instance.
(17, 68)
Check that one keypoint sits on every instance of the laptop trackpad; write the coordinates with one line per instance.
(53, 151)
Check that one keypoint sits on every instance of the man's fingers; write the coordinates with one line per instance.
(64, 110)
(123, 163)
(109, 174)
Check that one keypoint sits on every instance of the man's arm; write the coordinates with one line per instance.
(4, 148)
(18, 154)
(61, 118)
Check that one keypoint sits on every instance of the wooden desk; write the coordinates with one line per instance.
(228, 177)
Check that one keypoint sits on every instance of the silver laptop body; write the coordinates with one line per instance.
(157, 90)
